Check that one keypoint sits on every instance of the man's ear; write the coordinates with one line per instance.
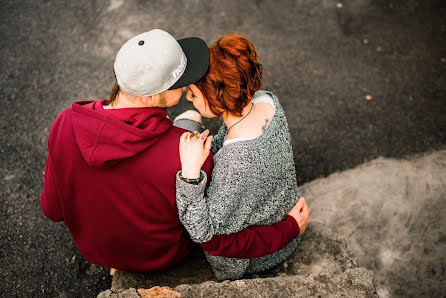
(148, 100)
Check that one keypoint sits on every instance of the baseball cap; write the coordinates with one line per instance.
(154, 61)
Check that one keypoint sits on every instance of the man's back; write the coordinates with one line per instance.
(111, 177)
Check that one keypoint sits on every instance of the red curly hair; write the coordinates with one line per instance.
(233, 77)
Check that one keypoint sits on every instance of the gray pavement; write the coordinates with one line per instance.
(391, 213)
(320, 58)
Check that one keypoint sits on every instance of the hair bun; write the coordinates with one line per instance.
(236, 45)
(234, 75)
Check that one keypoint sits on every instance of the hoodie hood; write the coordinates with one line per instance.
(106, 136)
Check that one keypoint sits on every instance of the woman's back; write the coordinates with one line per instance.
(253, 180)
(253, 183)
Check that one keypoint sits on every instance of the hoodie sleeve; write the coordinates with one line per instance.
(254, 241)
(49, 200)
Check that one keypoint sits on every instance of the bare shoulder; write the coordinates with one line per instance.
(254, 125)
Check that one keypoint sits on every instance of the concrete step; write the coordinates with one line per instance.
(322, 265)
(356, 282)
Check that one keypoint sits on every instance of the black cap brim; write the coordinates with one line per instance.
(197, 54)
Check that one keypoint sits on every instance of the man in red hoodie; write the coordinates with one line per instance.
(111, 166)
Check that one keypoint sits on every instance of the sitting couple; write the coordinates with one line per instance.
(133, 188)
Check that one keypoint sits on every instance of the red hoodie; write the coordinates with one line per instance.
(110, 175)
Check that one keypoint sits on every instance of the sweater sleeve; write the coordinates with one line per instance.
(254, 241)
(204, 214)
(193, 209)
(49, 200)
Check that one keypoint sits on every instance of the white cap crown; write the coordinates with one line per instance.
(149, 63)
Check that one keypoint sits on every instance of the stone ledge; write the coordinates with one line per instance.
(322, 265)
(356, 282)
(319, 252)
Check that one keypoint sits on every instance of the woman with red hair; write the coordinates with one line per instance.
(253, 181)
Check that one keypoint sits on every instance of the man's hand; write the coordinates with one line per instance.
(301, 214)
(194, 150)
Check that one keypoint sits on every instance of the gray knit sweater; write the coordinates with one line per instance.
(253, 183)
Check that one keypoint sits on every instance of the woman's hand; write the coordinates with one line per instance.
(194, 150)
(301, 214)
